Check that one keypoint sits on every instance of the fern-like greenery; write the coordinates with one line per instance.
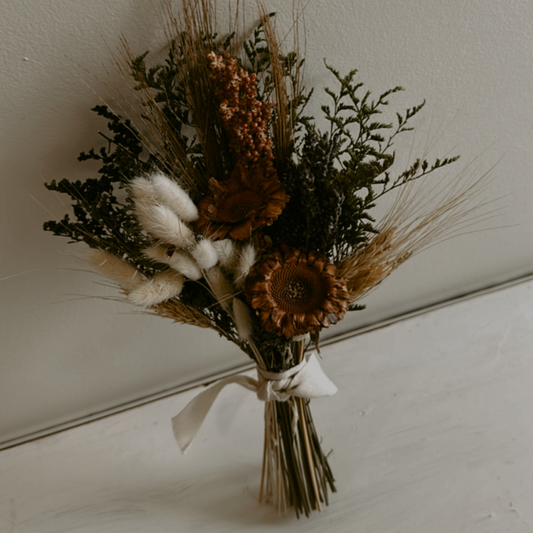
(104, 218)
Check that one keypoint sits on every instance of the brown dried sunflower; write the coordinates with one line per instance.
(245, 201)
(296, 292)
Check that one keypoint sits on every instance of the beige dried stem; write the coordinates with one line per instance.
(283, 121)
(190, 35)
(193, 31)
(158, 136)
(420, 216)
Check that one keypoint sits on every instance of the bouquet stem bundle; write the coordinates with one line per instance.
(295, 472)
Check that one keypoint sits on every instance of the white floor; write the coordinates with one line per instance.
(431, 432)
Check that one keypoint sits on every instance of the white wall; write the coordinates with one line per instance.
(64, 355)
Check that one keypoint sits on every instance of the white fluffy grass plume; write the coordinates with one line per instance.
(157, 289)
(142, 190)
(226, 252)
(180, 261)
(163, 223)
(169, 193)
(244, 263)
(116, 269)
(242, 317)
(205, 254)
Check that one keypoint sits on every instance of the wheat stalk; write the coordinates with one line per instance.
(181, 313)
(420, 216)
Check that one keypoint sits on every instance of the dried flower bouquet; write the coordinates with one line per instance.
(241, 216)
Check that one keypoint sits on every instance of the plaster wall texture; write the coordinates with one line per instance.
(65, 353)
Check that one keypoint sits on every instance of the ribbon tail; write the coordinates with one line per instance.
(312, 382)
(187, 423)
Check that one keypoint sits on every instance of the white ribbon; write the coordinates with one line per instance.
(306, 380)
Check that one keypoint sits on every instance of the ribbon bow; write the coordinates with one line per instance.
(306, 380)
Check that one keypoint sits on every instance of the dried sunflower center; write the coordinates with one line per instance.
(297, 289)
(239, 206)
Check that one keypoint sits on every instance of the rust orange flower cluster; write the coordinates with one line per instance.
(245, 118)
(295, 292)
(252, 196)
